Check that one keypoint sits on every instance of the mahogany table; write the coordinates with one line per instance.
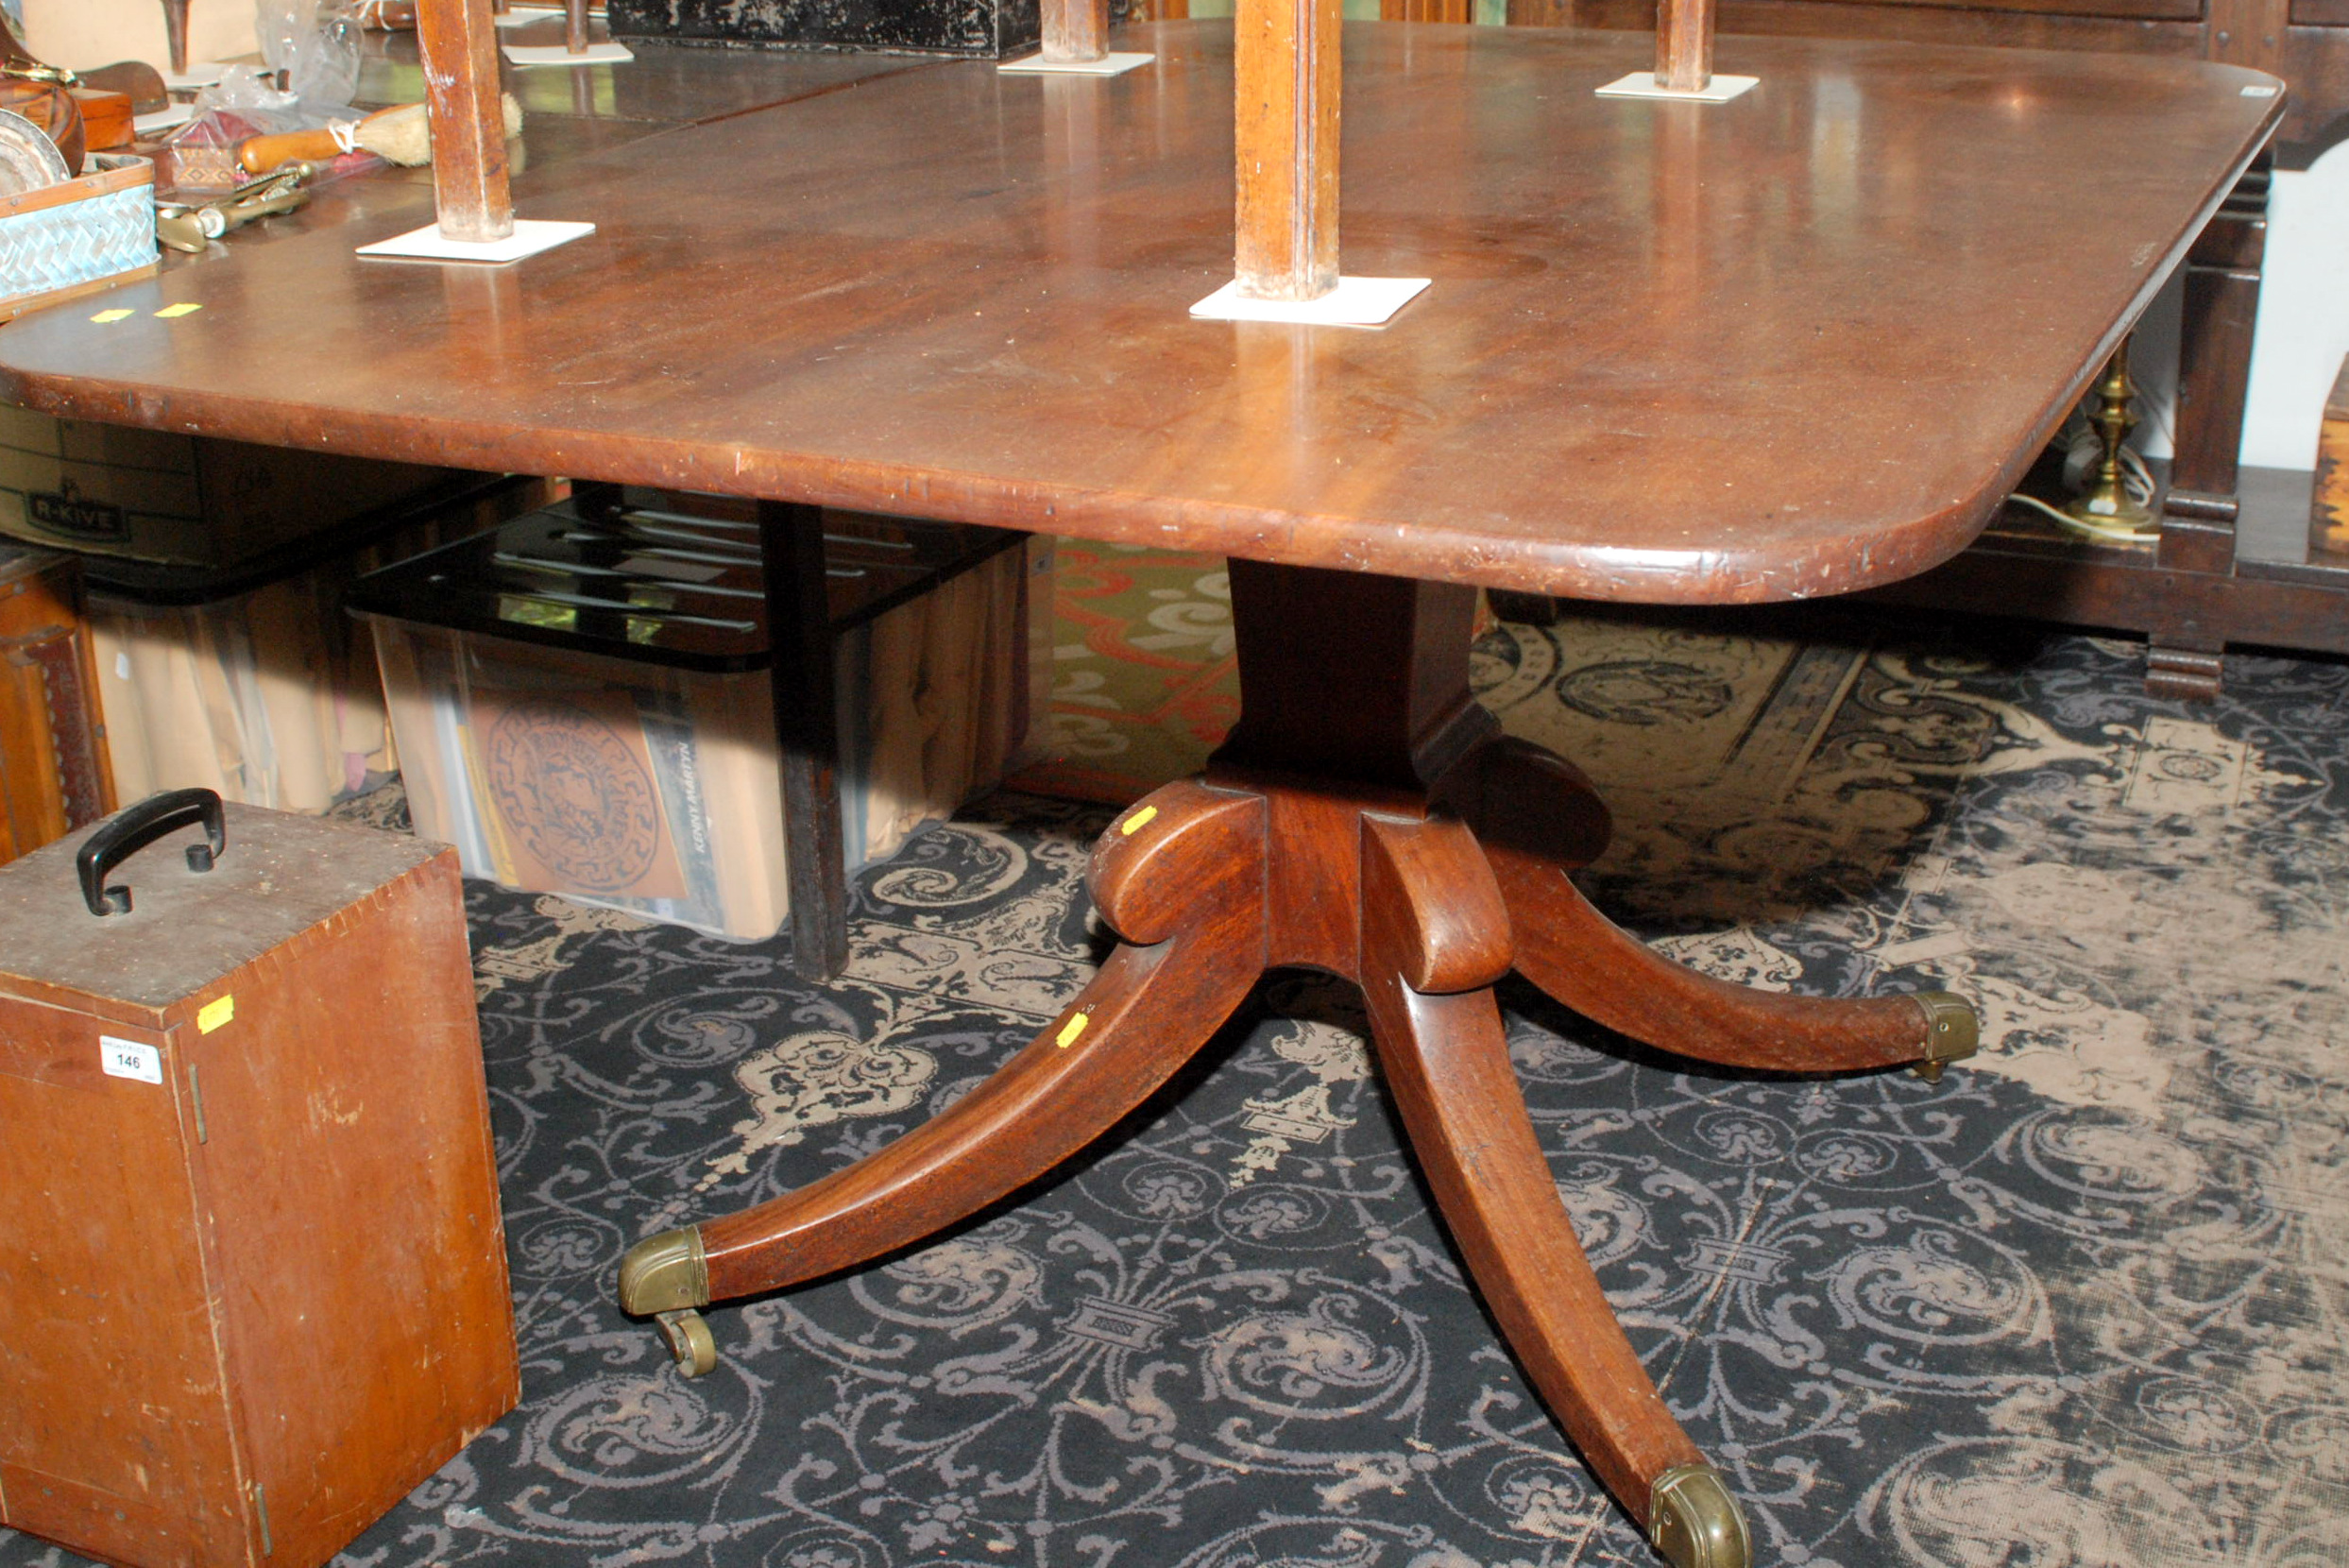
(1793, 344)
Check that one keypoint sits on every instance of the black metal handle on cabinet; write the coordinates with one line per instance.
(133, 828)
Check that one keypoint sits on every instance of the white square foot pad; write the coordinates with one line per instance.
(1112, 64)
(1642, 84)
(530, 236)
(554, 54)
(1354, 302)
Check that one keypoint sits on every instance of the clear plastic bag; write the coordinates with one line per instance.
(315, 43)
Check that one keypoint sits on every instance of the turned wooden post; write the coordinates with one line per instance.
(461, 92)
(1076, 32)
(575, 25)
(1684, 46)
(1285, 67)
(175, 35)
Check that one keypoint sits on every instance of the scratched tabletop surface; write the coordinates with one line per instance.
(1795, 343)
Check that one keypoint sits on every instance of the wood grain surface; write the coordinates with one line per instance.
(957, 294)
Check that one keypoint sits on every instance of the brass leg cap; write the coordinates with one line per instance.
(664, 1272)
(688, 1341)
(1952, 1031)
(1692, 1522)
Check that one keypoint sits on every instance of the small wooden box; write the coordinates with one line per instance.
(252, 1276)
(54, 774)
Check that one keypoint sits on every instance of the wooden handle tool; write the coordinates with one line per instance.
(399, 135)
(260, 154)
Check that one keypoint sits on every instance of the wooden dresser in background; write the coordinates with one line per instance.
(2241, 559)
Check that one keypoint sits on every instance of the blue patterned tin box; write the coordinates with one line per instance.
(67, 240)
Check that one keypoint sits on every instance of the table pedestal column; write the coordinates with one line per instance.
(1365, 819)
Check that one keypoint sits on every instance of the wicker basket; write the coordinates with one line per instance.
(64, 241)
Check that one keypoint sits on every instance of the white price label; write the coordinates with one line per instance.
(129, 1058)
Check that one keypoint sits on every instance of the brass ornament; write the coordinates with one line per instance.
(1952, 1031)
(1692, 1522)
(664, 1273)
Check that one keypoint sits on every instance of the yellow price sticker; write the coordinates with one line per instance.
(183, 308)
(1140, 820)
(214, 1013)
(107, 317)
(1070, 1030)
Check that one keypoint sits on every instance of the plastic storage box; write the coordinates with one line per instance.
(581, 707)
(262, 691)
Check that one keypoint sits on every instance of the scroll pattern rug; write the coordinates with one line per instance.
(2082, 1303)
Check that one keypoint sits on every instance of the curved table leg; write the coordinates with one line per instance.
(1185, 873)
(1538, 818)
(1446, 1060)
(1577, 955)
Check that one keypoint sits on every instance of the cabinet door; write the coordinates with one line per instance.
(114, 1432)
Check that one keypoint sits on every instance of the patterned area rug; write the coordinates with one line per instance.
(2080, 1303)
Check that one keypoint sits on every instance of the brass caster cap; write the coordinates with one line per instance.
(1952, 1031)
(664, 1272)
(688, 1341)
(1692, 1522)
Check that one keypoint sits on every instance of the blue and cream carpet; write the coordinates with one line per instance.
(2083, 1304)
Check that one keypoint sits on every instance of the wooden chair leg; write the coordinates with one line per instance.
(1189, 881)
(1581, 957)
(1446, 1061)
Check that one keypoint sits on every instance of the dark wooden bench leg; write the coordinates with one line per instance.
(804, 677)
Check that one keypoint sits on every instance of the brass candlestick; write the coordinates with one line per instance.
(2108, 510)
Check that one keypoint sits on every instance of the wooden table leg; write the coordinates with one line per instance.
(804, 683)
(1363, 819)
(1434, 941)
(1181, 878)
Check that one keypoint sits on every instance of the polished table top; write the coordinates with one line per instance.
(1795, 343)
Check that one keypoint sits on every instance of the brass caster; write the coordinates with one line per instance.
(1692, 1522)
(664, 1272)
(688, 1341)
(1952, 1032)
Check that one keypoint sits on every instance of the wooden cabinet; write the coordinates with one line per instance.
(252, 1278)
(2239, 560)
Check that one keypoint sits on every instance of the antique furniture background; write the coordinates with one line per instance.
(2238, 560)
(1695, 328)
